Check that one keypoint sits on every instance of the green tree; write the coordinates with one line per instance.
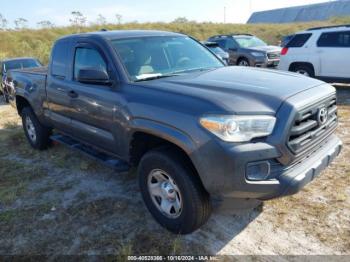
(3, 22)
(45, 24)
(181, 20)
(101, 20)
(78, 19)
(119, 18)
(21, 23)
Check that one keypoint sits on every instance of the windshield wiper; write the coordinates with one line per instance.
(201, 69)
(153, 77)
(146, 77)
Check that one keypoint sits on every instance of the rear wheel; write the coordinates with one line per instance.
(172, 192)
(305, 70)
(38, 135)
(6, 98)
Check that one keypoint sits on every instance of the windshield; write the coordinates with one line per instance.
(148, 57)
(249, 41)
(20, 64)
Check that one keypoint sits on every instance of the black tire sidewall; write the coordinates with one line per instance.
(155, 160)
(308, 69)
(243, 59)
(6, 98)
(42, 140)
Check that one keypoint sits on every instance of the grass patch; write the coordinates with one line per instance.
(11, 125)
(7, 216)
(8, 195)
(21, 215)
(15, 177)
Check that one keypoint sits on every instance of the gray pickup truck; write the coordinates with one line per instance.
(197, 130)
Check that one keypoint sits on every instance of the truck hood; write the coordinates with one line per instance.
(238, 89)
(267, 49)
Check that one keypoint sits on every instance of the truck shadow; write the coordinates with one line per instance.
(226, 223)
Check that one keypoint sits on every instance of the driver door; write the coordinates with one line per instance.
(93, 105)
(231, 47)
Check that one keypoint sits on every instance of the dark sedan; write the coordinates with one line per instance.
(12, 64)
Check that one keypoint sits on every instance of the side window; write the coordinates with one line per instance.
(60, 59)
(230, 44)
(334, 39)
(88, 58)
(221, 43)
(299, 40)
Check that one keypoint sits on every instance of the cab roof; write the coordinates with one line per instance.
(122, 34)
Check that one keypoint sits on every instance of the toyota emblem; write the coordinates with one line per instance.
(322, 116)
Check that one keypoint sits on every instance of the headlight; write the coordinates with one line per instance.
(239, 128)
(258, 54)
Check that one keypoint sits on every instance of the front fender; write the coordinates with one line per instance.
(166, 132)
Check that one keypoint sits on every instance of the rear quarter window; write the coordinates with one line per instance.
(334, 39)
(299, 40)
(60, 59)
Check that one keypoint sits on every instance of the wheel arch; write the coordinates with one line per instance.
(293, 65)
(151, 135)
(22, 102)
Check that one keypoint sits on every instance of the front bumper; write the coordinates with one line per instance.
(230, 174)
(292, 182)
(267, 63)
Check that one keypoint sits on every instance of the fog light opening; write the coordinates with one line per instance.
(258, 171)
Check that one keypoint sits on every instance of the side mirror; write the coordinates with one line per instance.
(93, 76)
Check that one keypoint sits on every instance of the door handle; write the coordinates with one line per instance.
(72, 94)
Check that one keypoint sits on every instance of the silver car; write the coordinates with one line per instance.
(248, 50)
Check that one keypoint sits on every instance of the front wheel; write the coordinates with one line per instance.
(243, 62)
(37, 135)
(172, 191)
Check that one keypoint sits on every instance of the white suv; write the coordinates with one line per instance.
(322, 52)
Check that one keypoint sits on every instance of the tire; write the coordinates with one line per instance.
(6, 98)
(191, 204)
(243, 62)
(37, 135)
(305, 70)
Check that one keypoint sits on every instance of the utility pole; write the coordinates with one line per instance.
(224, 14)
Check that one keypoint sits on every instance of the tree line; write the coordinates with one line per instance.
(77, 20)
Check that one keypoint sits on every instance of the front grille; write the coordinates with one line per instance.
(308, 129)
(273, 55)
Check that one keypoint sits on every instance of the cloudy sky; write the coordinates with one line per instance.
(58, 11)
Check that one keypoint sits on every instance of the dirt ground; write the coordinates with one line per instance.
(60, 202)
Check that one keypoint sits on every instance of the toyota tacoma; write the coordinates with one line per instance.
(196, 129)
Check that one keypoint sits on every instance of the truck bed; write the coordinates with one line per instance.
(36, 70)
(30, 80)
